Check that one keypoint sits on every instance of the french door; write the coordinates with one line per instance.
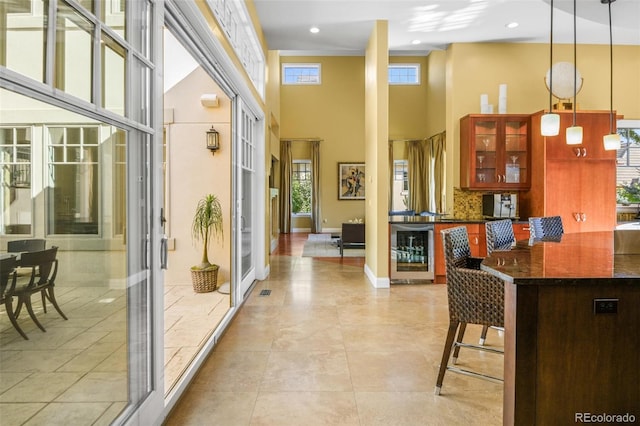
(245, 189)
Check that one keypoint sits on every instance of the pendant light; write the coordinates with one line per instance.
(574, 133)
(550, 122)
(612, 140)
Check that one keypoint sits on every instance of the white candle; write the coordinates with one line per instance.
(502, 99)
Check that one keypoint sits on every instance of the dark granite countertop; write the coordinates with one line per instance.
(587, 258)
(437, 219)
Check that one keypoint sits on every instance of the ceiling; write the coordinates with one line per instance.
(345, 25)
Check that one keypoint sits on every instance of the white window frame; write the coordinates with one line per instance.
(299, 65)
(416, 67)
(302, 161)
(627, 124)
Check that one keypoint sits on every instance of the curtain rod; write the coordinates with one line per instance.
(301, 139)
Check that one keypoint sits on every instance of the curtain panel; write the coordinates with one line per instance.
(285, 187)
(316, 214)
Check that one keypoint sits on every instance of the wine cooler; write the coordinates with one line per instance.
(412, 252)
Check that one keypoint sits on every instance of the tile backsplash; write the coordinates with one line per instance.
(467, 205)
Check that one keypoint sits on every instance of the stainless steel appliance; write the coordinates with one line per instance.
(412, 252)
(499, 205)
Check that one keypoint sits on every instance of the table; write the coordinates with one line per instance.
(572, 315)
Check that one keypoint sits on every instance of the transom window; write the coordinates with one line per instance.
(301, 73)
(301, 187)
(404, 74)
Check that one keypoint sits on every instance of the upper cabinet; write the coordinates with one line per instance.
(495, 152)
(575, 182)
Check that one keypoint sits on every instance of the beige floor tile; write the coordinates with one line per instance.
(407, 409)
(32, 361)
(68, 414)
(204, 407)
(7, 380)
(40, 387)
(18, 413)
(390, 371)
(312, 335)
(233, 371)
(305, 408)
(307, 371)
(97, 387)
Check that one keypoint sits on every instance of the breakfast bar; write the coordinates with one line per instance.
(572, 315)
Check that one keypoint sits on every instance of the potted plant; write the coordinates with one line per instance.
(207, 223)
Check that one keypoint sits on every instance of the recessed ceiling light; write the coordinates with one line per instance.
(314, 30)
(416, 42)
(512, 25)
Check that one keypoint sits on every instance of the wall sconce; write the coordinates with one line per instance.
(213, 140)
(209, 100)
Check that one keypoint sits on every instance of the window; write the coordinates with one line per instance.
(300, 73)
(628, 165)
(404, 74)
(301, 187)
(400, 195)
(73, 180)
(15, 180)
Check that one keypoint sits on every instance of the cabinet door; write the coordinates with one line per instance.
(582, 193)
(477, 244)
(494, 152)
(594, 126)
(521, 231)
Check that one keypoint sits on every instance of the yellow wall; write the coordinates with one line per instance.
(377, 155)
(408, 104)
(477, 68)
(205, 173)
(334, 112)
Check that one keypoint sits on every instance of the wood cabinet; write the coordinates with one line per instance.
(576, 182)
(477, 243)
(495, 152)
(521, 231)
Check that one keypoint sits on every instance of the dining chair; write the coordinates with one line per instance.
(474, 297)
(8, 276)
(546, 226)
(44, 268)
(21, 246)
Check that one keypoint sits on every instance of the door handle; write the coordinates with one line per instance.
(164, 252)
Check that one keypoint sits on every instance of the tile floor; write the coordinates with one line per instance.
(76, 372)
(325, 348)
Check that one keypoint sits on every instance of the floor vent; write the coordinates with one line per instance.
(265, 292)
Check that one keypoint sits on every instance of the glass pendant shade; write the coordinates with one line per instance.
(574, 135)
(550, 124)
(611, 141)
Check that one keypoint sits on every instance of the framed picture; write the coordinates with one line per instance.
(351, 181)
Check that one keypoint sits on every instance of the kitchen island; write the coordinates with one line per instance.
(572, 315)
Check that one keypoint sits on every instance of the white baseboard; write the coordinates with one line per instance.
(375, 281)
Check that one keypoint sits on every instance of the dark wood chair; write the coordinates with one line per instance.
(44, 268)
(21, 246)
(474, 296)
(352, 236)
(8, 277)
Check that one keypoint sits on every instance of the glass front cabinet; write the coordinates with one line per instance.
(494, 152)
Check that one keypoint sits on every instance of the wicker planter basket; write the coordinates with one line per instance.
(205, 280)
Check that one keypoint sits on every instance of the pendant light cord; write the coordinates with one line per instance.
(575, 65)
(551, 62)
(610, 71)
